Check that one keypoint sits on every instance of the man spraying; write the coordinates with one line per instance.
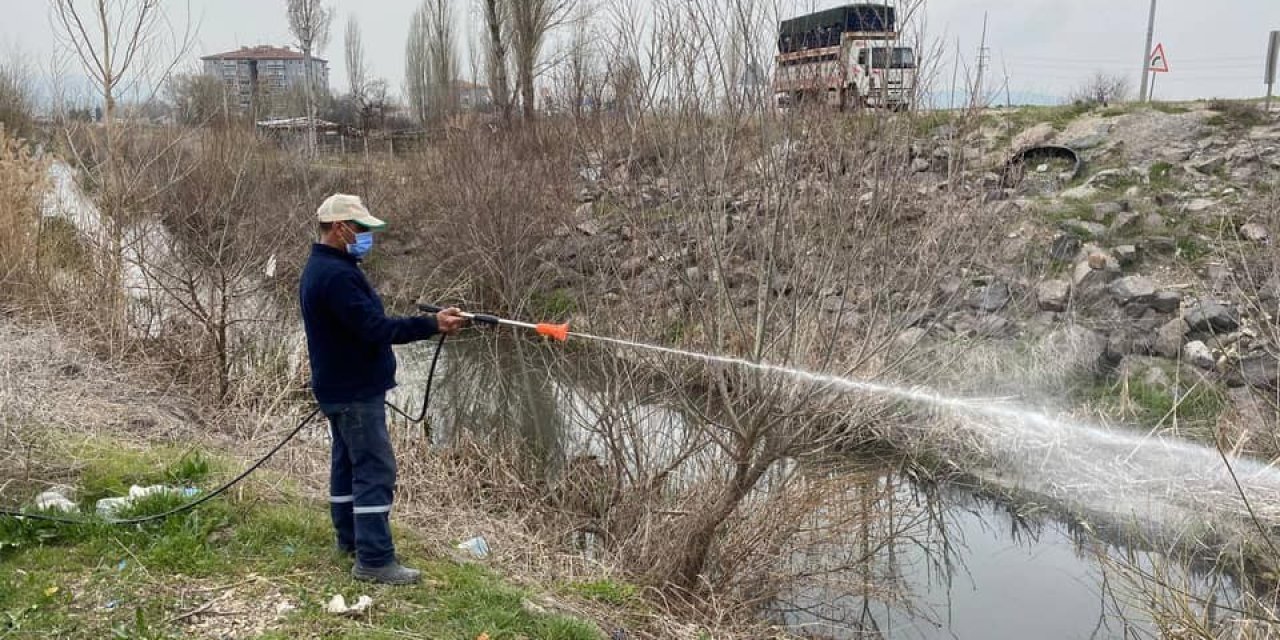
(349, 338)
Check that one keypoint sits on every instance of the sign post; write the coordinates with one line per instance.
(1158, 62)
(1273, 61)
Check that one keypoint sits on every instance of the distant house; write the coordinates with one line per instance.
(260, 79)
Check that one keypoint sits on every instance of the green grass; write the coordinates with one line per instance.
(1170, 108)
(1235, 114)
(1198, 406)
(1057, 117)
(98, 580)
(553, 305)
(1191, 248)
(1161, 177)
(606, 591)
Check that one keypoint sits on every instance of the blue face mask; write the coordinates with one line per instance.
(363, 245)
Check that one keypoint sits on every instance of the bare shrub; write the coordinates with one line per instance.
(480, 206)
(1102, 89)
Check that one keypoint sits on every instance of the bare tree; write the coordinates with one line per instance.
(309, 22)
(496, 16)
(15, 98)
(1102, 89)
(531, 21)
(356, 72)
(581, 77)
(110, 40)
(431, 61)
(198, 99)
(116, 44)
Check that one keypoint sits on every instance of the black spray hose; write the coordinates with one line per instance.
(426, 399)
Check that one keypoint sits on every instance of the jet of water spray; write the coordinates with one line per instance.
(1167, 481)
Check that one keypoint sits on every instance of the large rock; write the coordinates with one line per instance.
(1053, 295)
(990, 298)
(1199, 205)
(1166, 301)
(1211, 317)
(1170, 337)
(1126, 255)
(1103, 209)
(1126, 342)
(1259, 371)
(1085, 277)
(1134, 289)
(1065, 247)
(1033, 137)
(1126, 222)
(1254, 232)
(1255, 414)
(1084, 228)
(1198, 354)
(1114, 178)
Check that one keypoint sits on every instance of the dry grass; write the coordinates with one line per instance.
(22, 187)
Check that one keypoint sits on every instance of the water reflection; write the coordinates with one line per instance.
(882, 556)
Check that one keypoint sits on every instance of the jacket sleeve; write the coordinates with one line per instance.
(356, 310)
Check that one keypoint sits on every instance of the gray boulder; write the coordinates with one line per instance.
(1170, 336)
(1211, 317)
(1198, 354)
(991, 298)
(1084, 228)
(1259, 371)
(1052, 295)
(1126, 254)
(1134, 289)
(1064, 248)
(1166, 301)
(1254, 232)
(1103, 209)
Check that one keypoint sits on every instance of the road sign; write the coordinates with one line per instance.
(1158, 62)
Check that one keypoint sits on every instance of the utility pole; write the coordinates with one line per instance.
(982, 65)
(1146, 52)
(1273, 61)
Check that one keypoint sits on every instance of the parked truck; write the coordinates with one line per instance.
(847, 57)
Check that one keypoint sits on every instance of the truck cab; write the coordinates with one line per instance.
(881, 76)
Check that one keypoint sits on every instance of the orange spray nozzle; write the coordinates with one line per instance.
(555, 331)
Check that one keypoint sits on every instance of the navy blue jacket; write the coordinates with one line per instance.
(349, 335)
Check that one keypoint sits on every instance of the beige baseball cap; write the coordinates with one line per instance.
(340, 207)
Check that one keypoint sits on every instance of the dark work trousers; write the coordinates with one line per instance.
(362, 479)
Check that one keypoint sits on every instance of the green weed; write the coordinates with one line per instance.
(55, 578)
(606, 591)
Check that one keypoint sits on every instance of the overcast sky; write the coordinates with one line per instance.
(1045, 46)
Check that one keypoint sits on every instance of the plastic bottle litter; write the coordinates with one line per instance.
(109, 507)
(54, 500)
(476, 546)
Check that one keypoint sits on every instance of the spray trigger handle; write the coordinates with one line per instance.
(474, 317)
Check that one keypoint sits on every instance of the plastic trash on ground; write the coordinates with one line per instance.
(109, 507)
(476, 546)
(54, 500)
(338, 605)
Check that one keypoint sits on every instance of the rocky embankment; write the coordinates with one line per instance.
(1158, 244)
